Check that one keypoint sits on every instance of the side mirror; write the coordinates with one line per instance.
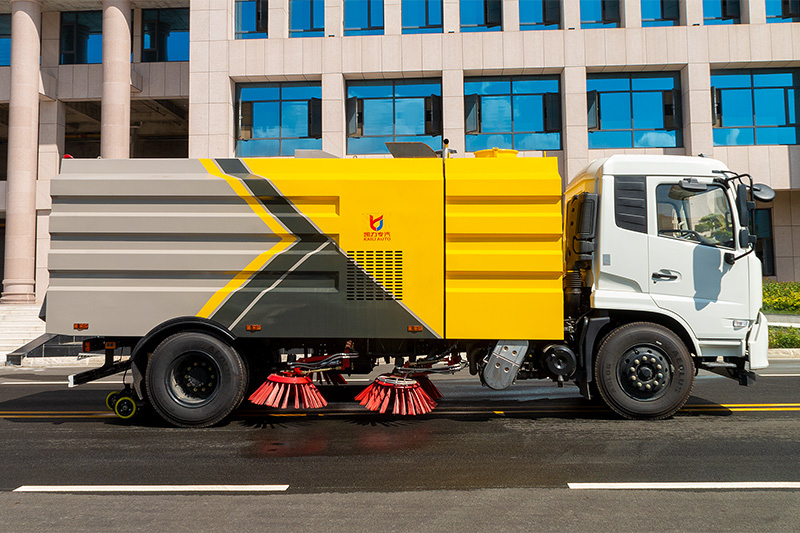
(743, 205)
(763, 193)
(745, 239)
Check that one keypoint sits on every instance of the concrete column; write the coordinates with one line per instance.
(696, 103)
(691, 13)
(510, 15)
(23, 141)
(334, 18)
(392, 17)
(278, 19)
(753, 11)
(571, 14)
(451, 16)
(334, 139)
(631, 13)
(453, 109)
(575, 137)
(115, 126)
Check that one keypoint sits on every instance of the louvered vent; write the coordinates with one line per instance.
(385, 267)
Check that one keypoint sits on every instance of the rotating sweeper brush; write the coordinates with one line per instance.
(403, 395)
(297, 383)
(408, 390)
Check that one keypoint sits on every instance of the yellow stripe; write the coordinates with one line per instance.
(258, 263)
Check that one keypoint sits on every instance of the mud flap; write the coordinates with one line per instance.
(501, 366)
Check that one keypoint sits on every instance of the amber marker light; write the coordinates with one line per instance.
(111, 345)
(80, 327)
(253, 327)
(414, 329)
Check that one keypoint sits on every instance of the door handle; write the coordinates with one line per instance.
(664, 275)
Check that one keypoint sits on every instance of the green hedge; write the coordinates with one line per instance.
(784, 337)
(782, 297)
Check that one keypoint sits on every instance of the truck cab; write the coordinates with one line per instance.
(669, 249)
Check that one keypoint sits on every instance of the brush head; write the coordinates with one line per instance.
(404, 395)
(279, 388)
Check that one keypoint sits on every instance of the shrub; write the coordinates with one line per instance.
(783, 297)
(784, 337)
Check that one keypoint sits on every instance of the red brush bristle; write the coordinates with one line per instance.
(405, 396)
(428, 386)
(279, 388)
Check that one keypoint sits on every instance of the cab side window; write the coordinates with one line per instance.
(702, 217)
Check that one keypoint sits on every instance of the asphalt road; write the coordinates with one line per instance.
(482, 460)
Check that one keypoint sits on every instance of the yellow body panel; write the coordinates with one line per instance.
(340, 195)
(504, 265)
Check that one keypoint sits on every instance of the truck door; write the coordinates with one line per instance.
(690, 232)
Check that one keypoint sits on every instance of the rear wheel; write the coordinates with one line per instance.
(644, 371)
(195, 380)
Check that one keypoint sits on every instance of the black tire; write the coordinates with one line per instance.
(195, 380)
(644, 371)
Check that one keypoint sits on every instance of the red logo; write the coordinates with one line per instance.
(376, 223)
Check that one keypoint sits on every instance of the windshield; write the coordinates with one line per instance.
(703, 217)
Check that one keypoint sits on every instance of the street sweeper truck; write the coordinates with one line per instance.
(227, 279)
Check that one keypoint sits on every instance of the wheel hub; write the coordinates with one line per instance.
(644, 372)
(193, 379)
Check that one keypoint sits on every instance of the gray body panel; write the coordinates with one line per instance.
(136, 243)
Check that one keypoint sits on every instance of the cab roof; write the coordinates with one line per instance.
(653, 165)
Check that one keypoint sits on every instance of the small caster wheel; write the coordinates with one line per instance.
(111, 399)
(125, 407)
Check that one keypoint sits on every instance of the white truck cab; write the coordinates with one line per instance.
(672, 248)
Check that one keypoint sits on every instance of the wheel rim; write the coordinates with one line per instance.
(125, 408)
(644, 372)
(193, 379)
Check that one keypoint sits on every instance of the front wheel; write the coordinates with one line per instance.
(195, 380)
(644, 371)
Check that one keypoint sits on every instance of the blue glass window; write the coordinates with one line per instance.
(660, 13)
(600, 14)
(422, 16)
(275, 119)
(384, 111)
(754, 106)
(721, 12)
(363, 17)
(5, 40)
(539, 14)
(783, 10)
(251, 19)
(481, 15)
(306, 18)
(519, 112)
(81, 37)
(634, 110)
(165, 34)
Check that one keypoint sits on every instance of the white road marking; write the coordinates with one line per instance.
(151, 488)
(778, 375)
(714, 485)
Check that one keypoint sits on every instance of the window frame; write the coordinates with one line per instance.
(311, 31)
(552, 122)
(692, 231)
(245, 118)
(261, 30)
(370, 28)
(665, 7)
(717, 109)
(610, 15)
(428, 27)
(670, 100)
(492, 17)
(789, 11)
(433, 127)
(730, 13)
(75, 37)
(5, 39)
(158, 23)
(550, 11)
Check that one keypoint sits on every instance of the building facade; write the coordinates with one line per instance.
(575, 79)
